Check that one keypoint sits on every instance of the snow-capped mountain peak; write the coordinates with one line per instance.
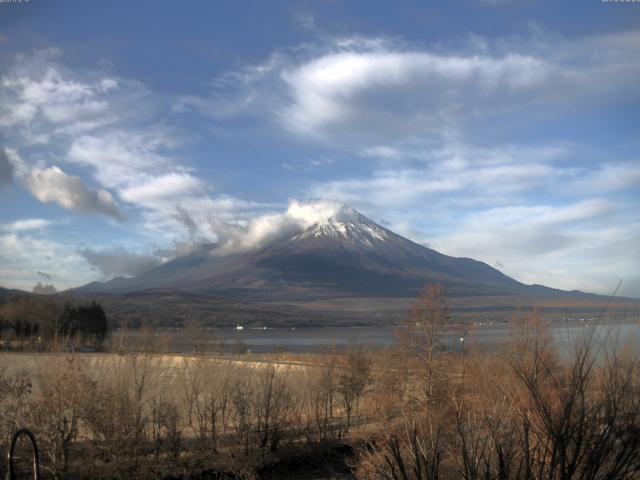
(321, 248)
(346, 224)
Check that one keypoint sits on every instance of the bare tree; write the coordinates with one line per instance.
(272, 405)
(194, 331)
(581, 420)
(241, 393)
(116, 411)
(429, 314)
(205, 395)
(55, 410)
(166, 431)
(320, 395)
(353, 380)
(535, 416)
(412, 449)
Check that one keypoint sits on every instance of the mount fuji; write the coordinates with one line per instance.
(336, 263)
(344, 254)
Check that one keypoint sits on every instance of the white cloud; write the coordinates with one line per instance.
(199, 219)
(259, 230)
(384, 152)
(119, 261)
(587, 245)
(611, 176)
(540, 216)
(83, 117)
(22, 256)
(120, 157)
(70, 192)
(155, 189)
(18, 166)
(231, 235)
(38, 93)
(6, 168)
(61, 100)
(339, 88)
(352, 92)
(457, 172)
(25, 225)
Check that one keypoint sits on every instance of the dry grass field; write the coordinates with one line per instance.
(518, 411)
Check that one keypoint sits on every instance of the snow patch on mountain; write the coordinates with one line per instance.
(314, 218)
(347, 224)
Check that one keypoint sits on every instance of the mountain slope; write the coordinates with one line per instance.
(344, 255)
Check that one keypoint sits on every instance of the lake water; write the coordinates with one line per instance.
(318, 339)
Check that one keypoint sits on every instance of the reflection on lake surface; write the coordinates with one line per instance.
(318, 339)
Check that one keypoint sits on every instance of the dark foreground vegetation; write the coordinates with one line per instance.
(521, 412)
(42, 322)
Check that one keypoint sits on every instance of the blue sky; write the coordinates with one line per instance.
(506, 131)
